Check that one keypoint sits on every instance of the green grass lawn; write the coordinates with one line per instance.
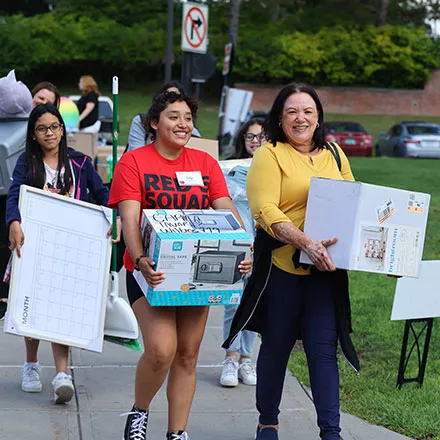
(373, 395)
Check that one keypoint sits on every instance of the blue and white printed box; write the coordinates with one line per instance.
(199, 252)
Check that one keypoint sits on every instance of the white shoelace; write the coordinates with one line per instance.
(230, 366)
(138, 427)
(32, 372)
(248, 368)
(183, 436)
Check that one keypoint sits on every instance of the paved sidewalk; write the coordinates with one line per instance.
(105, 389)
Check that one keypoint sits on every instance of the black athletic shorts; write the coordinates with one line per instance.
(134, 292)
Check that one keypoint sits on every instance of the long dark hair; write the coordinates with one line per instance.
(161, 103)
(272, 127)
(36, 174)
(240, 148)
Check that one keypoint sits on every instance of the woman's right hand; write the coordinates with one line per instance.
(153, 277)
(316, 250)
(16, 237)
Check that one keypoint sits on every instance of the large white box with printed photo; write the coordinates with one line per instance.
(199, 252)
(379, 229)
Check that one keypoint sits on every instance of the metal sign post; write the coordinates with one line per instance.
(422, 357)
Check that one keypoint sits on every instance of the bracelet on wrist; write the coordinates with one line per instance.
(136, 262)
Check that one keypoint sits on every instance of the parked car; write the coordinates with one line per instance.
(410, 139)
(351, 136)
(105, 115)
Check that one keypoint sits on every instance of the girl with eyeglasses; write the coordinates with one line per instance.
(238, 365)
(249, 138)
(49, 164)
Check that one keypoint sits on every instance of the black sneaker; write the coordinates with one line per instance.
(181, 435)
(136, 425)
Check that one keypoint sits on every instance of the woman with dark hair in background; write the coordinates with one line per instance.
(49, 164)
(285, 300)
(46, 92)
(88, 104)
(140, 134)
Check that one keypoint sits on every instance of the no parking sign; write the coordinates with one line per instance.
(195, 28)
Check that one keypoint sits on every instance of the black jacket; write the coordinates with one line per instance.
(249, 315)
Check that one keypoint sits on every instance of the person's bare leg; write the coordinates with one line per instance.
(191, 322)
(158, 327)
(61, 357)
(31, 349)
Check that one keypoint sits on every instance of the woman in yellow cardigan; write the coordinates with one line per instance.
(297, 301)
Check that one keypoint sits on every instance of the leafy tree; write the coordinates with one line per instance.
(122, 11)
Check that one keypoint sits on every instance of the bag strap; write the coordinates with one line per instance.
(331, 146)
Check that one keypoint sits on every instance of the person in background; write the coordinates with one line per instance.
(285, 300)
(146, 179)
(49, 164)
(88, 104)
(238, 363)
(140, 134)
(249, 137)
(45, 92)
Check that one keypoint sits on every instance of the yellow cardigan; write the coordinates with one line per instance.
(277, 188)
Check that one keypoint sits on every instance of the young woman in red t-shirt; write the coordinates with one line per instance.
(145, 178)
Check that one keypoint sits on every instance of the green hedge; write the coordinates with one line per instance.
(391, 56)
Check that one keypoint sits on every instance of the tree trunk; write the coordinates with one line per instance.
(383, 12)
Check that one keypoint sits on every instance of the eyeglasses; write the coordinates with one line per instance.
(251, 136)
(54, 128)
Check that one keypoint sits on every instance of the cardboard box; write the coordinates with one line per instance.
(199, 252)
(380, 229)
(87, 143)
(208, 145)
(104, 159)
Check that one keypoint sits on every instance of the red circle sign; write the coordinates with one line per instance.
(194, 19)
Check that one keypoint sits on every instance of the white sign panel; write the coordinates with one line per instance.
(195, 28)
(58, 288)
(418, 298)
(238, 103)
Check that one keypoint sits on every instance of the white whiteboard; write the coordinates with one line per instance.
(58, 288)
(418, 297)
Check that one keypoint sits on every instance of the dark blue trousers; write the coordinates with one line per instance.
(299, 305)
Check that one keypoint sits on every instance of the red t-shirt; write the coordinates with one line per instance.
(149, 178)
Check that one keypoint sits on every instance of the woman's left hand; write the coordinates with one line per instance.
(245, 266)
(118, 231)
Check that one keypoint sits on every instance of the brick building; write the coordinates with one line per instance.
(367, 101)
